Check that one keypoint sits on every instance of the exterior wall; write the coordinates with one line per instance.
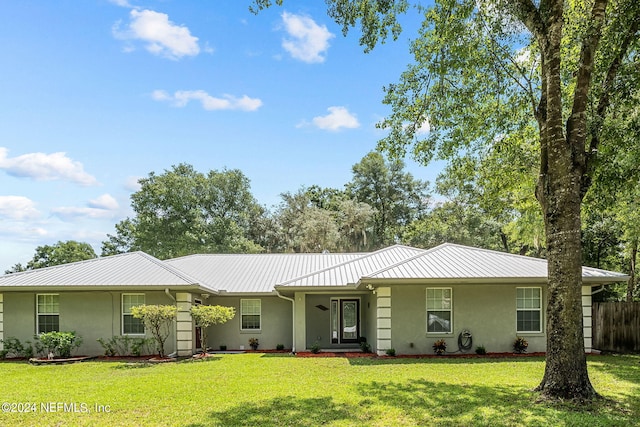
(92, 315)
(275, 328)
(318, 322)
(487, 311)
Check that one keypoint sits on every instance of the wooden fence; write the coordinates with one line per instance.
(616, 326)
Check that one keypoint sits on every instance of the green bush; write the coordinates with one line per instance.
(280, 347)
(315, 348)
(391, 352)
(481, 350)
(126, 346)
(14, 348)
(60, 343)
(520, 345)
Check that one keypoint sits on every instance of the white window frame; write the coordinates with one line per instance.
(243, 313)
(528, 309)
(450, 310)
(38, 314)
(128, 313)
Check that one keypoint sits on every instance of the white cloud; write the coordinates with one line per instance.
(17, 208)
(162, 37)
(121, 3)
(103, 207)
(338, 118)
(307, 40)
(228, 102)
(67, 213)
(133, 183)
(106, 201)
(45, 167)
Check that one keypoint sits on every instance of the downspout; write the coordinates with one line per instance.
(166, 291)
(293, 314)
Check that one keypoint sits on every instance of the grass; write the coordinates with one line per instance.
(279, 390)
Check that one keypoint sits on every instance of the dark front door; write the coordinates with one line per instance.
(349, 320)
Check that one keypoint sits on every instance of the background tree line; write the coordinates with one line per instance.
(182, 211)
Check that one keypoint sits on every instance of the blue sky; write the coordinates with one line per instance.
(96, 94)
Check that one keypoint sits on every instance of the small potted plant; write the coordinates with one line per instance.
(253, 343)
(520, 345)
(440, 347)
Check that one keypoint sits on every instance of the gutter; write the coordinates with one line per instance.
(293, 314)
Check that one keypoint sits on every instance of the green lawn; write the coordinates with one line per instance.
(275, 390)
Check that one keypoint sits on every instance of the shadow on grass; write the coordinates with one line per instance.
(284, 411)
(419, 402)
(372, 361)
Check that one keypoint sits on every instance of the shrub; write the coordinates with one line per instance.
(364, 345)
(254, 343)
(440, 347)
(158, 319)
(520, 345)
(315, 348)
(481, 350)
(60, 343)
(126, 346)
(14, 348)
(223, 348)
(209, 315)
(280, 347)
(391, 352)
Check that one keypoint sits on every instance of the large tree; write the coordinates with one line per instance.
(476, 64)
(57, 254)
(183, 211)
(396, 196)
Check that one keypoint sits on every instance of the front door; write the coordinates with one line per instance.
(345, 321)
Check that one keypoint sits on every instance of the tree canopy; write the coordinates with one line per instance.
(57, 254)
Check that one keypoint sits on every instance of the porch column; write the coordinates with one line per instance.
(184, 325)
(300, 318)
(587, 319)
(383, 320)
(1, 321)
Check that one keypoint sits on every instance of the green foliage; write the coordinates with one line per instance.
(182, 211)
(280, 347)
(61, 344)
(127, 346)
(60, 253)
(520, 345)
(209, 315)
(365, 347)
(315, 348)
(391, 352)
(481, 350)
(158, 319)
(12, 347)
(395, 195)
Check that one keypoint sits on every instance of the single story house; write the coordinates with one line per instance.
(398, 297)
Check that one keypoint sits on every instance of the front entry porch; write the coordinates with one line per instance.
(335, 322)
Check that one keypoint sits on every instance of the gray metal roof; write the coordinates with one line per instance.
(129, 269)
(450, 261)
(255, 273)
(351, 271)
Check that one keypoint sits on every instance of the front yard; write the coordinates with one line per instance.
(277, 390)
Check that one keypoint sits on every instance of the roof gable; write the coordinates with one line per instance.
(351, 271)
(451, 261)
(128, 269)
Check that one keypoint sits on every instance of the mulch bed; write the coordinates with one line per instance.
(419, 356)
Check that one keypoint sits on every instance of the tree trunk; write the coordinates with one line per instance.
(560, 190)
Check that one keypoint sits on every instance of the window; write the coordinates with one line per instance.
(48, 313)
(250, 314)
(529, 309)
(439, 310)
(131, 325)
